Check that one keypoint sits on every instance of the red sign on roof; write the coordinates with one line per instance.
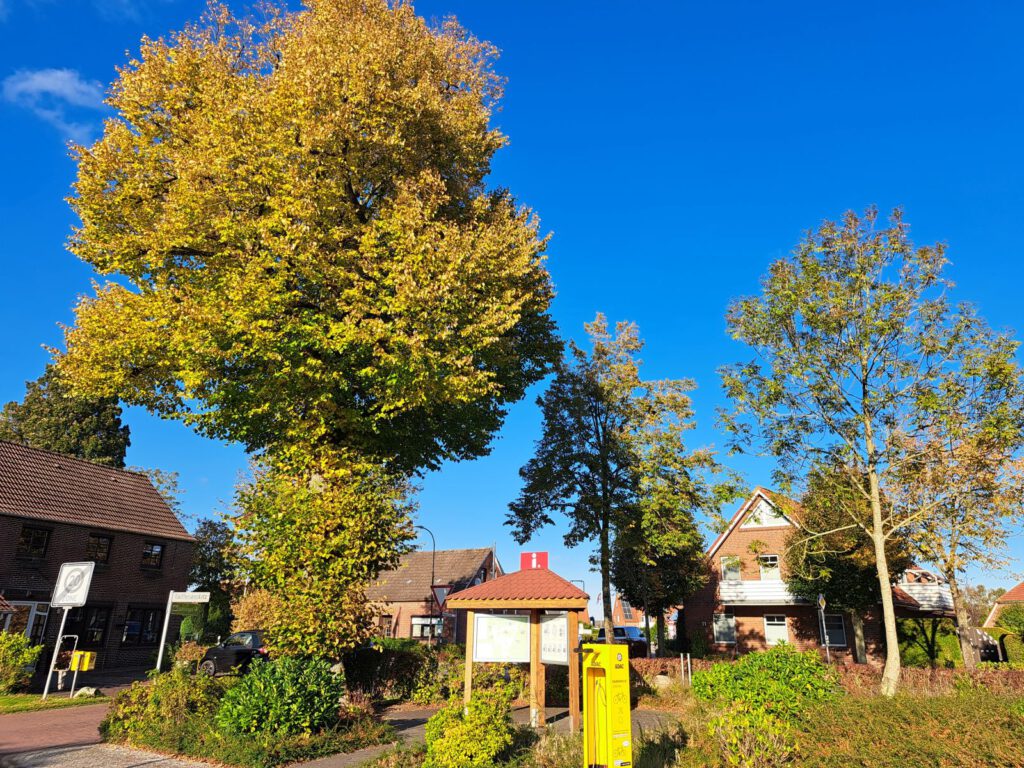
(531, 560)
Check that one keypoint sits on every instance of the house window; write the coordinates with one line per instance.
(424, 627)
(835, 630)
(775, 630)
(142, 626)
(725, 628)
(769, 567)
(98, 548)
(90, 624)
(627, 611)
(152, 555)
(384, 625)
(731, 568)
(33, 541)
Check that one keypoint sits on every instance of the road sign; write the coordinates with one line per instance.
(821, 601)
(532, 560)
(441, 593)
(190, 597)
(72, 588)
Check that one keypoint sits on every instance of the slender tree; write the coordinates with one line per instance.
(979, 600)
(612, 457)
(854, 334)
(52, 418)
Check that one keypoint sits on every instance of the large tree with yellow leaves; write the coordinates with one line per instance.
(307, 261)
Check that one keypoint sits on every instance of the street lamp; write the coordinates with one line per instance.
(433, 598)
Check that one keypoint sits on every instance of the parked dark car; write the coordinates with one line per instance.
(631, 636)
(237, 651)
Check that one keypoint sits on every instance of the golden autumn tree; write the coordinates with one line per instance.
(305, 258)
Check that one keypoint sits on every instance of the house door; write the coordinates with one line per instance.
(775, 630)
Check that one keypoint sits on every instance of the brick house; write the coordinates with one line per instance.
(404, 602)
(1013, 596)
(55, 509)
(626, 615)
(746, 605)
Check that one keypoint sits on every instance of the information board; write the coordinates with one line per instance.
(554, 639)
(501, 638)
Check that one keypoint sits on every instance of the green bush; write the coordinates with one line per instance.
(1012, 618)
(283, 697)
(782, 681)
(442, 676)
(387, 670)
(750, 737)
(16, 654)
(929, 643)
(474, 738)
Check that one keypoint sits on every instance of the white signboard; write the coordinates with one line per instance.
(501, 638)
(190, 597)
(72, 587)
(554, 639)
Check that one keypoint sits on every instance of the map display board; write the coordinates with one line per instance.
(501, 638)
(554, 639)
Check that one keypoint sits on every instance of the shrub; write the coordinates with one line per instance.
(385, 670)
(929, 643)
(189, 654)
(474, 738)
(16, 653)
(557, 750)
(442, 676)
(781, 681)
(256, 609)
(283, 697)
(750, 737)
(1012, 618)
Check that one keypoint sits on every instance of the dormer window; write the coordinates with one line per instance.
(730, 568)
(769, 567)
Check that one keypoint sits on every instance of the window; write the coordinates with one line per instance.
(731, 568)
(775, 630)
(627, 611)
(835, 630)
(240, 640)
(98, 548)
(33, 541)
(152, 555)
(725, 628)
(384, 625)
(142, 626)
(89, 623)
(426, 626)
(769, 567)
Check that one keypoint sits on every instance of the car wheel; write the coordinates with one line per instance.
(208, 668)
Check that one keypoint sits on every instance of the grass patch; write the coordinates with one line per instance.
(31, 702)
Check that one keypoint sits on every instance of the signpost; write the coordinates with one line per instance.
(177, 597)
(824, 629)
(70, 591)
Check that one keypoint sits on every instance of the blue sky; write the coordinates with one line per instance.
(673, 149)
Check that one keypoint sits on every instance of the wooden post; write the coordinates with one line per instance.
(536, 672)
(574, 671)
(467, 691)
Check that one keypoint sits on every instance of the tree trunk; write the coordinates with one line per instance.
(659, 624)
(963, 622)
(606, 586)
(891, 671)
(860, 648)
(647, 626)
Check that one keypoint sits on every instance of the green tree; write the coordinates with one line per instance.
(612, 457)
(831, 554)
(307, 256)
(856, 339)
(979, 600)
(214, 568)
(314, 537)
(52, 418)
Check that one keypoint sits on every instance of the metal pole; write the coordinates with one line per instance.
(433, 599)
(163, 635)
(56, 650)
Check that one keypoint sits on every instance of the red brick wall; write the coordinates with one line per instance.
(120, 584)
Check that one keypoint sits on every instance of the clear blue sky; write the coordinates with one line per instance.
(674, 150)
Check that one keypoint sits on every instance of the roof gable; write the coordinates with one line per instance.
(42, 485)
(767, 507)
(410, 581)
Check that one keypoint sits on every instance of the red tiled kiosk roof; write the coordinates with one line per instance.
(1015, 595)
(530, 588)
(5, 607)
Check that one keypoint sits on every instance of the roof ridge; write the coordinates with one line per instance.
(79, 459)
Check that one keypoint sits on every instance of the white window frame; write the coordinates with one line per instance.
(785, 626)
(777, 570)
(434, 626)
(739, 567)
(714, 627)
(824, 629)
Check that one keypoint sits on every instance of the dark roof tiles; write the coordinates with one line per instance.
(410, 581)
(63, 489)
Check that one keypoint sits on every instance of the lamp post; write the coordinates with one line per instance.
(433, 599)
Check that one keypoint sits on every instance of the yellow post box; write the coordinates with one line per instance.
(83, 661)
(607, 730)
